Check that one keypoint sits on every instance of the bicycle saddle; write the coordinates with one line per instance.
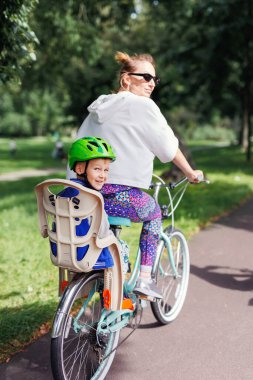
(119, 221)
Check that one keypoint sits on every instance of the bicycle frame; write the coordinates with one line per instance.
(166, 240)
(110, 321)
(116, 320)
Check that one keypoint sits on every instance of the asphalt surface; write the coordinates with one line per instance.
(212, 337)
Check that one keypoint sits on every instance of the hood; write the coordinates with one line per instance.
(106, 105)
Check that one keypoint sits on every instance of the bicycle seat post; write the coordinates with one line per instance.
(116, 230)
(156, 190)
(116, 223)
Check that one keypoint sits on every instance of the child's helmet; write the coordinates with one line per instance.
(87, 148)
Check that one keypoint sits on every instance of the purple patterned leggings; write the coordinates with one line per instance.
(132, 203)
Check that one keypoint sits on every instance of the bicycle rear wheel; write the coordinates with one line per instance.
(77, 352)
(173, 286)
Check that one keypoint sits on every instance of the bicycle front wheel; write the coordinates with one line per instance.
(172, 269)
(78, 352)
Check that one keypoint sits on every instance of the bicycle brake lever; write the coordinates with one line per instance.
(200, 179)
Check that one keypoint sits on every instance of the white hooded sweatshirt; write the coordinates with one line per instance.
(137, 131)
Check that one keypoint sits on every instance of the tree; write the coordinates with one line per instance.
(226, 28)
(17, 39)
(210, 46)
(74, 60)
(77, 40)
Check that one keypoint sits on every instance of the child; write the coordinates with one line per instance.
(90, 158)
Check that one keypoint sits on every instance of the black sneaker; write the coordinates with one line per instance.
(147, 288)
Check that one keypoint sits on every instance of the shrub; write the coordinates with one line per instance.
(208, 132)
(15, 124)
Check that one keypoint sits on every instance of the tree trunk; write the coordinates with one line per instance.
(249, 71)
(245, 120)
(246, 132)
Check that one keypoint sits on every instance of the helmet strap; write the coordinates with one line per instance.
(85, 178)
(86, 166)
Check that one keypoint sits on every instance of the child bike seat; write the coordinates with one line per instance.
(60, 218)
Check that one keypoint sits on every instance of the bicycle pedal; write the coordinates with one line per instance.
(147, 298)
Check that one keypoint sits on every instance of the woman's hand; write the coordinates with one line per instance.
(195, 176)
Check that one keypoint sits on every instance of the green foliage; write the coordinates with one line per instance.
(77, 62)
(15, 124)
(222, 26)
(206, 49)
(17, 38)
(44, 111)
(208, 132)
(200, 48)
(37, 112)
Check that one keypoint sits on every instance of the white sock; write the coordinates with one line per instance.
(145, 272)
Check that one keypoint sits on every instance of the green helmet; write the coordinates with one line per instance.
(87, 148)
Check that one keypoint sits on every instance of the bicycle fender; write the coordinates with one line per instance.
(66, 299)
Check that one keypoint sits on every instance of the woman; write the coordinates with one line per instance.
(138, 132)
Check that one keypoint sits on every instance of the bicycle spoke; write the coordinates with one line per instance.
(77, 357)
(84, 354)
(74, 360)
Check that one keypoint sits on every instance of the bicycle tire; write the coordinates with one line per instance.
(173, 288)
(76, 355)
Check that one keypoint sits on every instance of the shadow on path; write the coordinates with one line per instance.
(225, 277)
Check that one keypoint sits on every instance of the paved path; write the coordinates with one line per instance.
(212, 337)
(15, 176)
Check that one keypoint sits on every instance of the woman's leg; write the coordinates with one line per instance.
(139, 207)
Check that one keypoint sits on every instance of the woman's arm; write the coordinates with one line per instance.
(181, 162)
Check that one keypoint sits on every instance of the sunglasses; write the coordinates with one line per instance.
(147, 77)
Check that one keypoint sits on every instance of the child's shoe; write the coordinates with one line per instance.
(147, 287)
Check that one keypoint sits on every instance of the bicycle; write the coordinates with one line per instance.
(85, 332)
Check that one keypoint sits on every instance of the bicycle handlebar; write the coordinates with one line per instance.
(169, 209)
(173, 185)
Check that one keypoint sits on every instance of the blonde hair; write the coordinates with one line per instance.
(128, 63)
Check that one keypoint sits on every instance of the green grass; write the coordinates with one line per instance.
(28, 281)
(32, 153)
